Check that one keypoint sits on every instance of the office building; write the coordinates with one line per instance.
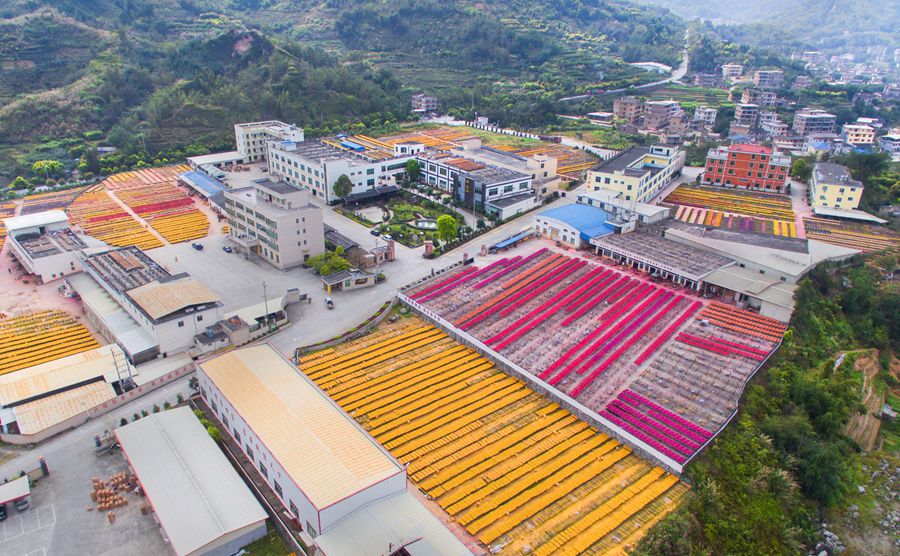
(638, 173)
(276, 222)
(251, 138)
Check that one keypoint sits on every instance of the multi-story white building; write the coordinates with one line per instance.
(759, 96)
(771, 124)
(316, 165)
(768, 79)
(730, 71)
(890, 144)
(275, 221)
(705, 115)
(423, 103)
(858, 135)
(831, 186)
(746, 115)
(639, 173)
(44, 245)
(810, 121)
(251, 138)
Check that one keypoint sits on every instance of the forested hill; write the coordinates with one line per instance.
(165, 73)
(797, 23)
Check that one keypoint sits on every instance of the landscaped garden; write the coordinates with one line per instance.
(407, 218)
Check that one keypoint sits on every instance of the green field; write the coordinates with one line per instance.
(691, 97)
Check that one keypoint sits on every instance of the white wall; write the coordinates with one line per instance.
(173, 338)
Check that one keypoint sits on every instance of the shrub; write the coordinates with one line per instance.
(123, 421)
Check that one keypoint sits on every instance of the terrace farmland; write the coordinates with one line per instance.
(595, 333)
(691, 97)
(519, 472)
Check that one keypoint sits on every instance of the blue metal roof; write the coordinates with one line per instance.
(352, 146)
(511, 240)
(208, 184)
(589, 221)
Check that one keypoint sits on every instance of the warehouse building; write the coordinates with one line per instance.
(44, 244)
(202, 505)
(573, 225)
(135, 302)
(328, 472)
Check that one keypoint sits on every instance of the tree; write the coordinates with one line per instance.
(328, 263)
(446, 227)
(343, 186)
(339, 250)
(801, 169)
(413, 169)
(194, 384)
(19, 183)
(214, 432)
(47, 168)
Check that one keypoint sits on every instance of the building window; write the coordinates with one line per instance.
(277, 488)
(199, 318)
(225, 421)
(263, 470)
(311, 530)
(180, 323)
(249, 452)
(293, 508)
(214, 407)
(237, 436)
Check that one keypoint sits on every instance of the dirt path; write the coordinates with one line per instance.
(863, 428)
(134, 215)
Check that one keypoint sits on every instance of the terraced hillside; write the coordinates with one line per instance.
(519, 472)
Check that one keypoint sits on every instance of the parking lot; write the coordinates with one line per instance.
(62, 520)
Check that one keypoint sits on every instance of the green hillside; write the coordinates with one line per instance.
(163, 74)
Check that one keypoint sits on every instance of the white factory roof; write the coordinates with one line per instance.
(62, 373)
(36, 219)
(615, 199)
(851, 214)
(216, 158)
(327, 455)
(391, 522)
(41, 414)
(790, 263)
(753, 284)
(196, 494)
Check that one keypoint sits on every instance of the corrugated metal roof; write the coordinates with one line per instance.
(61, 373)
(36, 219)
(393, 521)
(196, 494)
(589, 221)
(323, 450)
(33, 417)
(159, 299)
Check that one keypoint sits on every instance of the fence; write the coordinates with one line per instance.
(539, 385)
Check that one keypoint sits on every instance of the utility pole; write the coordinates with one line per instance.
(266, 304)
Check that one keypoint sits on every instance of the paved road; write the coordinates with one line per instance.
(677, 74)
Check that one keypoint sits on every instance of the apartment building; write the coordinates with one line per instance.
(810, 121)
(831, 186)
(802, 82)
(746, 115)
(771, 124)
(659, 113)
(316, 165)
(706, 80)
(768, 79)
(424, 103)
(759, 96)
(747, 167)
(638, 173)
(251, 138)
(705, 115)
(730, 71)
(276, 222)
(628, 108)
(858, 135)
(890, 144)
